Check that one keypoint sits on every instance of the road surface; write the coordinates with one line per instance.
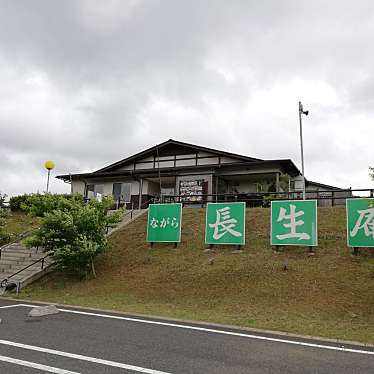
(89, 342)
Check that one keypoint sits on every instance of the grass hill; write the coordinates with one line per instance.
(330, 294)
(16, 224)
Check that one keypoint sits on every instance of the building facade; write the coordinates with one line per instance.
(185, 172)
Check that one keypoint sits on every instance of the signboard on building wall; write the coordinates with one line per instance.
(360, 222)
(192, 190)
(225, 223)
(294, 222)
(164, 223)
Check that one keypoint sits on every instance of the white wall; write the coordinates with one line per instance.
(78, 186)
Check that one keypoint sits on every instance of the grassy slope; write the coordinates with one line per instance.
(18, 223)
(330, 294)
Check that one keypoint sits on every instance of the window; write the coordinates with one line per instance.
(122, 191)
(95, 191)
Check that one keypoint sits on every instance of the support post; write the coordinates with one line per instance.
(216, 188)
(49, 174)
(140, 193)
(277, 186)
(301, 111)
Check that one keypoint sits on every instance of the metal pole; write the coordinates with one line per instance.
(302, 147)
(49, 172)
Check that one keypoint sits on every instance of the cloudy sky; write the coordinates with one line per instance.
(86, 83)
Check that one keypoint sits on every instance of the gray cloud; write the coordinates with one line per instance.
(87, 83)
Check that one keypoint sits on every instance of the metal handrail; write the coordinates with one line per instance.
(4, 282)
(131, 212)
(20, 236)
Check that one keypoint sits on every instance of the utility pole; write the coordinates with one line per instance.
(306, 112)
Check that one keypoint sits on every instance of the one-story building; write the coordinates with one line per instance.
(180, 171)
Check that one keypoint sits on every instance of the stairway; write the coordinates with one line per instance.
(15, 257)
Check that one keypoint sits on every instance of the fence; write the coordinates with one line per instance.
(263, 199)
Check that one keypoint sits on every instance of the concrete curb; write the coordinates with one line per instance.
(198, 323)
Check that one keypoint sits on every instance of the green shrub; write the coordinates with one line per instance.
(38, 205)
(15, 202)
(74, 232)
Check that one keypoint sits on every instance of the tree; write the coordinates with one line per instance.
(74, 233)
(3, 217)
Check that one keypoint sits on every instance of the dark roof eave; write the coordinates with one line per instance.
(323, 185)
(287, 165)
(171, 141)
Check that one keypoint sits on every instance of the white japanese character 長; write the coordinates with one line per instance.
(224, 224)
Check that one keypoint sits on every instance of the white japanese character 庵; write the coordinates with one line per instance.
(364, 222)
(293, 224)
(224, 224)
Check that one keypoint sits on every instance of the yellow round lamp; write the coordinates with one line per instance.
(49, 165)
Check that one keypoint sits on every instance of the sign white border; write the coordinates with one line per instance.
(206, 217)
(180, 225)
(346, 218)
(271, 224)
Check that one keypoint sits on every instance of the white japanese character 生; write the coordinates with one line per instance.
(293, 224)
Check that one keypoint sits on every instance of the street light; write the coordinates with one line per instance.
(306, 112)
(49, 165)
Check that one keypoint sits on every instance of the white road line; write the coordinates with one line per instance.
(10, 306)
(222, 332)
(34, 365)
(82, 358)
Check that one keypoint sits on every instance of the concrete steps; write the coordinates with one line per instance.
(15, 257)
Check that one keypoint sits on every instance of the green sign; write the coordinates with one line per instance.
(294, 222)
(164, 223)
(225, 223)
(360, 222)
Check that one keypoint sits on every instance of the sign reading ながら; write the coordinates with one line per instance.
(360, 222)
(225, 223)
(294, 222)
(164, 223)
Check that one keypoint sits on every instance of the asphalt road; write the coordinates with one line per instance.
(87, 342)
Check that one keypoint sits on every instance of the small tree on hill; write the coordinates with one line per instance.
(74, 234)
(3, 216)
